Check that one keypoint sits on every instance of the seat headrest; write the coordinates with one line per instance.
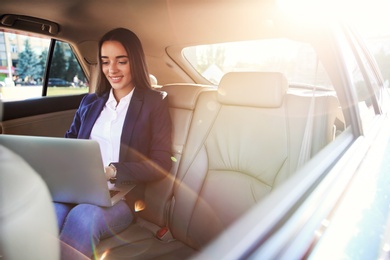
(255, 89)
(183, 95)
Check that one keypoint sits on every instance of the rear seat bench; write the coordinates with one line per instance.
(242, 142)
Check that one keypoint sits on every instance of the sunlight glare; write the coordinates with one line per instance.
(103, 256)
(369, 16)
(139, 205)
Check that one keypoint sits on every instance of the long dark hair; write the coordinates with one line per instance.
(135, 52)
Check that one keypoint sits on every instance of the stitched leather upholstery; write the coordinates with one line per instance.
(182, 100)
(28, 227)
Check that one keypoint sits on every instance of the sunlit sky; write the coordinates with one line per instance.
(372, 17)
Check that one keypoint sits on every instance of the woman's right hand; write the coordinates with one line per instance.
(110, 172)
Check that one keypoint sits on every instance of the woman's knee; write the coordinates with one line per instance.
(83, 220)
(85, 213)
(99, 220)
(62, 210)
(86, 210)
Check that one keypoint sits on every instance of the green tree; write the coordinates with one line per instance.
(211, 55)
(73, 69)
(58, 66)
(41, 65)
(383, 61)
(27, 63)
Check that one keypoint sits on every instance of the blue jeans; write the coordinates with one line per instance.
(83, 226)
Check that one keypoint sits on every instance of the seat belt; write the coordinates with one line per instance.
(305, 152)
(164, 234)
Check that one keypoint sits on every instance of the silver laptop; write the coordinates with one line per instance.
(72, 168)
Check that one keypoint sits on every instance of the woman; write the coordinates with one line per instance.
(131, 123)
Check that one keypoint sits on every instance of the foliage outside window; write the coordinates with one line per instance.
(23, 64)
(297, 60)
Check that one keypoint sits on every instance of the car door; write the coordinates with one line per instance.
(336, 205)
(31, 105)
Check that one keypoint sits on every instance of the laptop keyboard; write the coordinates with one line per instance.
(113, 193)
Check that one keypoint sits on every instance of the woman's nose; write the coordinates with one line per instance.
(112, 67)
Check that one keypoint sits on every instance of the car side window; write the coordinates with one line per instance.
(24, 64)
(362, 84)
(297, 60)
(65, 74)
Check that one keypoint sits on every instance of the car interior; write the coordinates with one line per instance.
(234, 142)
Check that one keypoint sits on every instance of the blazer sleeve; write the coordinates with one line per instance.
(156, 163)
(74, 129)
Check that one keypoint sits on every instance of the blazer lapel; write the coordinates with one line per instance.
(130, 120)
(90, 118)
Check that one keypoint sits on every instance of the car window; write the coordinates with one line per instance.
(296, 60)
(68, 81)
(378, 45)
(23, 66)
(365, 84)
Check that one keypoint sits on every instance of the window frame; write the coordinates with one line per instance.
(47, 70)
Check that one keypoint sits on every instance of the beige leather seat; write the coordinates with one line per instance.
(182, 101)
(243, 141)
(28, 226)
(240, 148)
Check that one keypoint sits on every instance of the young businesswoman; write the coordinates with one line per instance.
(131, 123)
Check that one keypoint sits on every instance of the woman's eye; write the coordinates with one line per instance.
(123, 62)
(104, 62)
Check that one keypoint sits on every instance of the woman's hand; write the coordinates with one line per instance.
(110, 172)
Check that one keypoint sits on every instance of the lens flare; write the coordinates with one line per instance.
(103, 256)
(139, 205)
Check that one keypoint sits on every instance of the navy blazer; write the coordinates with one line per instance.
(145, 152)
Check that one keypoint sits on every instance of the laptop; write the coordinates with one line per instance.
(72, 168)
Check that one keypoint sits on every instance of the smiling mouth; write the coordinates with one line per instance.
(115, 79)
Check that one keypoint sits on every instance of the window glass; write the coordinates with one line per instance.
(66, 76)
(22, 66)
(371, 78)
(378, 45)
(23, 61)
(363, 92)
(297, 60)
(377, 38)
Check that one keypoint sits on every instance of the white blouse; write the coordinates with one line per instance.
(107, 129)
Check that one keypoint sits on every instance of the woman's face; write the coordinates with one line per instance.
(116, 67)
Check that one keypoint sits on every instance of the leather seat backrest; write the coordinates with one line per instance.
(28, 226)
(182, 99)
(237, 146)
(245, 139)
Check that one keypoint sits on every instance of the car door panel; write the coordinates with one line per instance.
(47, 116)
